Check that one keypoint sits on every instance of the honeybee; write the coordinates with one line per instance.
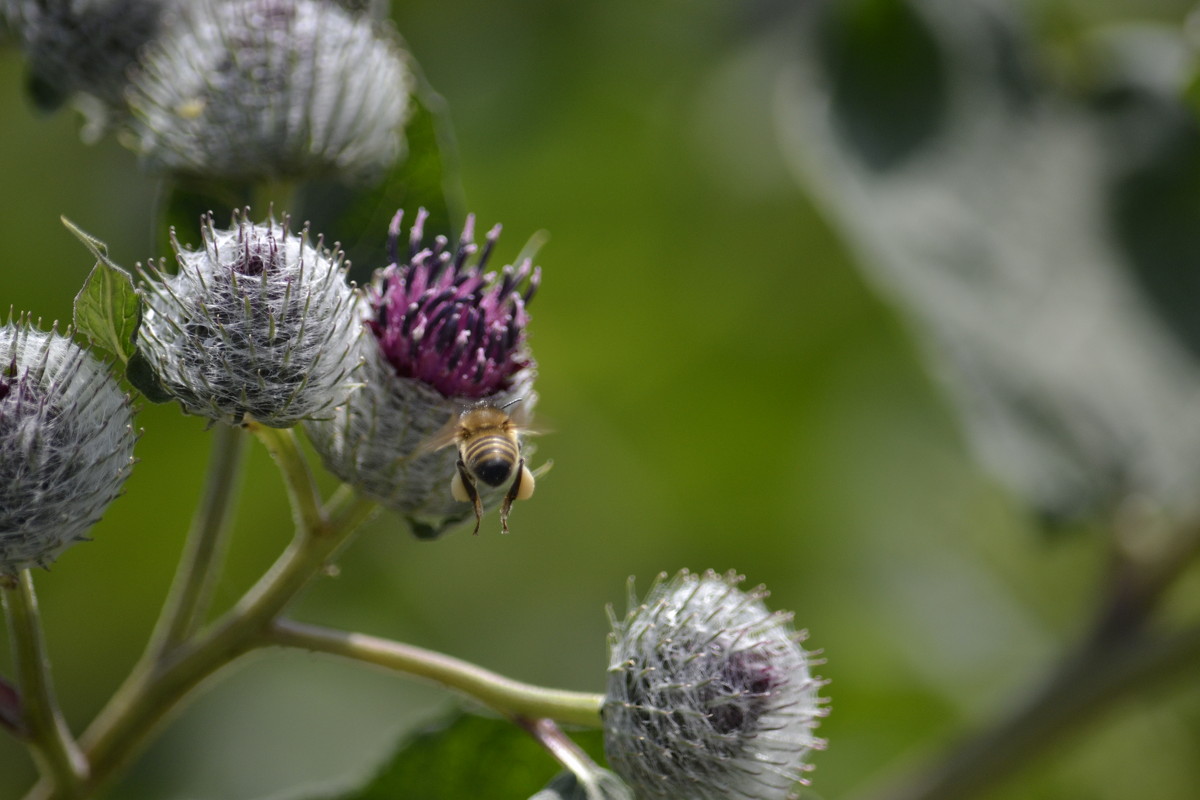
(489, 450)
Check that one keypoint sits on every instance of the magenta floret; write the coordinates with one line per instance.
(447, 323)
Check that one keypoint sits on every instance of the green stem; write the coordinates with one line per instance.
(1138, 577)
(1082, 688)
(302, 488)
(157, 686)
(342, 497)
(509, 697)
(1119, 654)
(562, 747)
(59, 759)
(276, 197)
(152, 692)
(199, 568)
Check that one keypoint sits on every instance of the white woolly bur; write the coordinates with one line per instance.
(377, 442)
(66, 444)
(269, 89)
(259, 322)
(82, 46)
(710, 695)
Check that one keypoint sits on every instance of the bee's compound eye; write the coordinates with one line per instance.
(525, 491)
(457, 490)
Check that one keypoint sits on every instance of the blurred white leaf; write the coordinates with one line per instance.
(991, 224)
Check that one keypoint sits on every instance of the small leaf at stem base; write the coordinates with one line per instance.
(107, 308)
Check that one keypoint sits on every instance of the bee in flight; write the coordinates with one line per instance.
(489, 450)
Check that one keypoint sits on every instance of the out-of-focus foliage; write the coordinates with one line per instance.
(425, 178)
(723, 390)
(1044, 238)
(468, 756)
(356, 213)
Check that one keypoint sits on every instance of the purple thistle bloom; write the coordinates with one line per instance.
(446, 337)
(447, 323)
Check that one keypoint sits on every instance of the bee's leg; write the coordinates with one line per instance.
(468, 485)
(511, 494)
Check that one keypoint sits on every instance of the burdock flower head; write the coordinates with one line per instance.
(266, 89)
(258, 322)
(446, 344)
(710, 695)
(66, 444)
(83, 47)
(448, 324)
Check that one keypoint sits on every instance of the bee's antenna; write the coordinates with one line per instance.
(511, 403)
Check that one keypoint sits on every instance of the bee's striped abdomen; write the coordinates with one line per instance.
(491, 457)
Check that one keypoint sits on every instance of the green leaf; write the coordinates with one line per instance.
(567, 786)
(142, 377)
(467, 756)
(107, 308)
(358, 217)
(564, 786)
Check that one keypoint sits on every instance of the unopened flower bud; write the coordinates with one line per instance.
(258, 322)
(710, 695)
(269, 89)
(66, 444)
(444, 338)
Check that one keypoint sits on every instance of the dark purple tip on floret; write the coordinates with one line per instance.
(440, 319)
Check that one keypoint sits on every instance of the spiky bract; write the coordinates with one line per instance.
(377, 441)
(258, 322)
(66, 444)
(710, 695)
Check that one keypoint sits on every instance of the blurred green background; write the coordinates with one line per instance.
(723, 391)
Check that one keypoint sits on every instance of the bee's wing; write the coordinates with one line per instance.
(445, 437)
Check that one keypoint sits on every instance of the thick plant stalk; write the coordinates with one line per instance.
(160, 685)
(1083, 688)
(200, 566)
(59, 758)
(1119, 655)
(509, 697)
